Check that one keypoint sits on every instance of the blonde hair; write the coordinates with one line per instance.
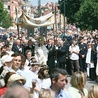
(46, 93)
(78, 80)
(93, 92)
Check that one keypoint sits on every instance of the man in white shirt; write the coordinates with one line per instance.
(74, 56)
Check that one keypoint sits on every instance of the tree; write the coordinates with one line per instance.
(84, 13)
(1, 11)
(5, 19)
(87, 16)
(71, 7)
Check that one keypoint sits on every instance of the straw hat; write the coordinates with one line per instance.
(16, 77)
(12, 77)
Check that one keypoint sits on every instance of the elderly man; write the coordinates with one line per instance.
(18, 47)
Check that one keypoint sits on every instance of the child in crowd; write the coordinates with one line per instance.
(46, 93)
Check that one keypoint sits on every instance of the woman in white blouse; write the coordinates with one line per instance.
(43, 82)
(78, 82)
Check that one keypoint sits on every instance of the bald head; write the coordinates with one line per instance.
(16, 92)
(18, 42)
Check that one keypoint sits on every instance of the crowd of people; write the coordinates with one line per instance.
(38, 67)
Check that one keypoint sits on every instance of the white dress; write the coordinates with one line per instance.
(41, 54)
(28, 75)
(42, 83)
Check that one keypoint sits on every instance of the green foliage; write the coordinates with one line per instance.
(87, 16)
(1, 11)
(5, 19)
(84, 13)
(71, 7)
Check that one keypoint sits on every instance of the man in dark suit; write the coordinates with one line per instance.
(17, 46)
(30, 46)
(67, 43)
(51, 54)
(82, 54)
(61, 55)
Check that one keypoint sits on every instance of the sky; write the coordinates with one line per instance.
(35, 2)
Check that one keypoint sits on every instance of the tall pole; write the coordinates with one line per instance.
(59, 14)
(53, 13)
(17, 22)
(39, 8)
(64, 15)
(55, 22)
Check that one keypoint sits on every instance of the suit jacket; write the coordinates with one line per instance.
(83, 49)
(61, 54)
(17, 49)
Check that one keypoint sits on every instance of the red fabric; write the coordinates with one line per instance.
(2, 91)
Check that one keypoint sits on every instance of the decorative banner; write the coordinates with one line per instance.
(26, 21)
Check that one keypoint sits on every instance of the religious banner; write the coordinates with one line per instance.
(26, 21)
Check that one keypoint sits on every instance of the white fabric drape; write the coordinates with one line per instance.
(25, 20)
(88, 56)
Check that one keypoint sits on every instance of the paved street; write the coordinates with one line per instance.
(88, 83)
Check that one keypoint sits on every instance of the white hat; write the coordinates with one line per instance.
(6, 58)
(15, 77)
(10, 52)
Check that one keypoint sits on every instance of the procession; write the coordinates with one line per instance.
(47, 57)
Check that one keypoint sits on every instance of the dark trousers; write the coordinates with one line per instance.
(74, 66)
(82, 64)
(68, 66)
